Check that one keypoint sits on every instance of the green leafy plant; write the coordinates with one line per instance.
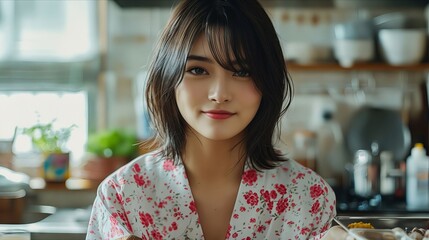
(113, 143)
(47, 139)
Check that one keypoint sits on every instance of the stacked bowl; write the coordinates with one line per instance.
(401, 39)
(354, 42)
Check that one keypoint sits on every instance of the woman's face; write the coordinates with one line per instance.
(216, 103)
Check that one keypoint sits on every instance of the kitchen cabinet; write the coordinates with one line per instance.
(368, 67)
(290, 3)
(266, 3)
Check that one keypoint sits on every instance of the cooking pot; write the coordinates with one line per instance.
(384, 127)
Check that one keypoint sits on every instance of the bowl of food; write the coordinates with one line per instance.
(385, 227)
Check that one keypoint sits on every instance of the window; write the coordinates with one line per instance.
(23, 109)
(48, 69)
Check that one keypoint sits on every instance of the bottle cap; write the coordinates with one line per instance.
(418, 150)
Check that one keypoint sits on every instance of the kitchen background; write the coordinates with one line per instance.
(83, 63)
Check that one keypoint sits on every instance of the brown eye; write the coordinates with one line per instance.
(197, 71)
(242, 73)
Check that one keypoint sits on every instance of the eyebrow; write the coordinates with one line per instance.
(199, 58)
(202, 58)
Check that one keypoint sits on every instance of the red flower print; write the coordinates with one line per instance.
(273, 194)
(146, 219)
(270, 205)
(282, 204)
(325, 228)
(174, 225)
(250, 177)
(266, 195)
(235, 235)
(315, 208)
(281, 188)
(124, 218)
(305, 231)
(162, 204)
(300, 176)
(156, 235)
(253, 220)
(168, 165)
(235, 216)
(119, 198)
(136, 168)
(261, 228)
(113, 221)
(177, 214)
(242, 209)
(193, 207)
(139, 180)
(315, 191)
(228, 232)
(113, 184)
(251, 198)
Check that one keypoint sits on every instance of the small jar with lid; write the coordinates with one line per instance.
(304, 148)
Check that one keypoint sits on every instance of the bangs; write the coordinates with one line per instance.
(228, 44)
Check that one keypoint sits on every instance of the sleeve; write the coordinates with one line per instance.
(108, 217)
(328, 212)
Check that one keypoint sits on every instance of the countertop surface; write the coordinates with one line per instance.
(63, 221)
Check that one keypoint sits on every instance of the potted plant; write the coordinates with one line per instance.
(51, 144)
(108, 150)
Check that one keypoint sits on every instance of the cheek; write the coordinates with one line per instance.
(252, 94)
(190, 90)
(187, 95)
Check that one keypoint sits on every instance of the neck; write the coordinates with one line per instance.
(208, 160)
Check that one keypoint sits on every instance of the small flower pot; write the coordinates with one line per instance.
(56, 167)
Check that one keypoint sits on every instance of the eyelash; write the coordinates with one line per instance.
(192, 70)
(240, 73)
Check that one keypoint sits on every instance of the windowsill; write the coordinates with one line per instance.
(72, 184)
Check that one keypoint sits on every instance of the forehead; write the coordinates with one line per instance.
(220, 49)
(201, 46)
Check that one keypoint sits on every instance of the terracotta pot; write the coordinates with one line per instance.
(98, 168)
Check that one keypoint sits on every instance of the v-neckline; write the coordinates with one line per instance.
(198, 233)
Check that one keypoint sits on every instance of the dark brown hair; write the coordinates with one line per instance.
(237, 30)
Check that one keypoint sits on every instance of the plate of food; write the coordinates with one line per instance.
(385, 227)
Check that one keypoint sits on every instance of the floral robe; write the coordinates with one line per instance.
(151, 198)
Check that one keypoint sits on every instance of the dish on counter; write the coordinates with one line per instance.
(387, 228)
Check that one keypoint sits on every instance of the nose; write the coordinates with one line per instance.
(219, 90)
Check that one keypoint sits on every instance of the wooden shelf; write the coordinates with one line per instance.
(334, 67)
(71, 184)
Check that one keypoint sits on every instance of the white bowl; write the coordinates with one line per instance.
(306, 53)
(402, 46)
(350, 51)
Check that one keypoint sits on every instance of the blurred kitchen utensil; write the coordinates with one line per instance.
(385, 127)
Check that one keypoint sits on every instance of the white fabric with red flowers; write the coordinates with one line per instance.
(150, 198)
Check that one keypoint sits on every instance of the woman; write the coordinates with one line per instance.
(217, 87)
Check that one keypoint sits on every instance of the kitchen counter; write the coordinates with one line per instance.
(64, 224)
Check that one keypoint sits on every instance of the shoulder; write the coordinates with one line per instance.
(300, 180)
(139, 172)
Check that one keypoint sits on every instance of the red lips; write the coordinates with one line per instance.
(218, 114)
